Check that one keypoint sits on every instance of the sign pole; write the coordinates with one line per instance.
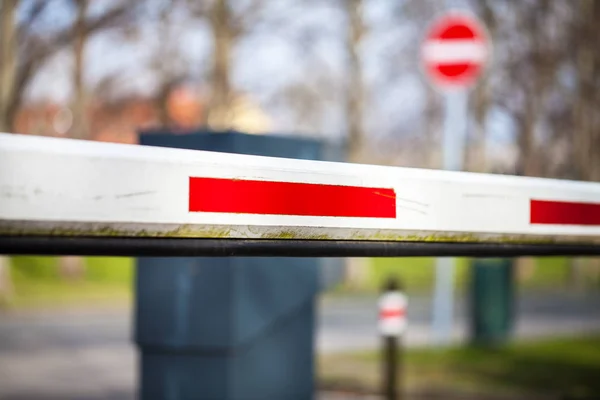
(454, 53)
(390, 365)
(455, 128)
(392, 325)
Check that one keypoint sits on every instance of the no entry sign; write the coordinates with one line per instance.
(455, 50)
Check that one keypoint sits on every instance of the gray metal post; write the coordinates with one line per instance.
(226, 328)
(455, 129)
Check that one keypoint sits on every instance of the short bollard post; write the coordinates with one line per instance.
(392, 324)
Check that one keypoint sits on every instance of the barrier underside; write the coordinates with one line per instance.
(167, 247)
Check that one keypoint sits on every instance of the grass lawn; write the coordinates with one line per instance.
(109, 279)
(569, 368)
(418, 273)
(108, 282)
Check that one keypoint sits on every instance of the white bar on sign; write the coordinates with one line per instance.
(452, 51)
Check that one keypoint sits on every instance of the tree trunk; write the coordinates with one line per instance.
(8, 69)
(163, 63)
(73, 267)
(476, 152)
(8, 61)
(162, 100)
(431, 156)
(218, 115)
(544, 62)
(526, 163)
(526, 166)
(355, 87)
(357, 269)
(584, 109)
(6, 285)
(80, 126)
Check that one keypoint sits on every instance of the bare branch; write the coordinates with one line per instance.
(37, 48)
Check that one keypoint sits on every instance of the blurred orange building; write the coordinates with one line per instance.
(114, 121)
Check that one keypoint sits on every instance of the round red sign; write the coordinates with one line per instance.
(455, 50)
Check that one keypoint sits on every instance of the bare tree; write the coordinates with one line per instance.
(481, 99)
(432, 125)
(8, 59)
(80, 121)
(317, 96)
(309, 99)
(412, 139)
(224, 36)
(356, 270)
(529, 78)
(7, 76)
(587, 64)
(355, 93)
(25, 48)
(229, 22)
(167, 61)
(547, 81)
(74, 267)
(34, 45)
(586, 122)
(225, 32)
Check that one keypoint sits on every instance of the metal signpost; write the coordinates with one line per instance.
(454, 53)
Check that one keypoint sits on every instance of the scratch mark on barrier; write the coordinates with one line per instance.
(13, 192)
(484, 195)
(385, 195)
(413, 202)
(412, 209)
(135, 194)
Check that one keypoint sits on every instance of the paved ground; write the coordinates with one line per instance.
(77, 355)
(349, 323)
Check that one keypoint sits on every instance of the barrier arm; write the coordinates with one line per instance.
(62, 196)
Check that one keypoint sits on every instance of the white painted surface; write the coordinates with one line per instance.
(79, 186)
(455, 51)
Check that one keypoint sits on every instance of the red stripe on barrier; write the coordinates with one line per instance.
(564, 213)
(391, 314)
(287, 198)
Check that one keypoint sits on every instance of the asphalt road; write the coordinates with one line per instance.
(89, 355)
(350, 323)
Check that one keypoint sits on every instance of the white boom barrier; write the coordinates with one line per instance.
(91, 197)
